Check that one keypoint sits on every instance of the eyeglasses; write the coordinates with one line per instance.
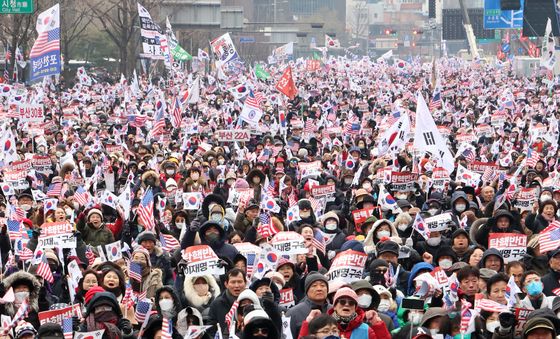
(261, 330)
(344, 302)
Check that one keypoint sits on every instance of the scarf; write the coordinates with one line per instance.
(104, 321)
(344, 321)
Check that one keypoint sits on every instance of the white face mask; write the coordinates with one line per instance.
(383, 234)
(434, 241)
(364, 301)
(415, 318)
(445, 263)
(402, 227)
(76, 205)
(195, 176)
(166, 304)
(545, 197)
(216, 217)
(25, 207)
(170, 172)
(304, 214)
(180, 225)
(21, 296)
(434, 331)
(366, 185)
(460, 207)
(331, 226)
(491, 326)
(401, 196)
(221, 161)
(432, 211)
(384, 305)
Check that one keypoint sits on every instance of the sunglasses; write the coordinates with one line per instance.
(344, 302)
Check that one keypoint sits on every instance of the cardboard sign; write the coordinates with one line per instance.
(56, 316)
(323, 190)
(512, 246)
(287, 297)
(288, 243)
(201, 260)
(403, 181)
(42, 164)
(233, 135)
(360, 216)
(31, 113)
(57, 234)
(439, 222)
(14, 176)
(22, 165)
(348, 266)
(440, 177)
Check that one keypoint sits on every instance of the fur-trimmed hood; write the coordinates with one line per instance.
(27, 279)
(151, 173)
(193, 298)
(370, 242)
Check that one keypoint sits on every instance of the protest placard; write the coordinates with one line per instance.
(287, 243)
(512, 246)
(201, 260)
(347, 266)
(438, 222)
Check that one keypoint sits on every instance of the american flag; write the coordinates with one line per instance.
(549, 238)
(90, 256)
(20, 314)
(469, 155)
(128, 299)
(159, 119)
(24, 253)
(176, 115)
(510, 192)
(135, 271)
(489, 305)
(251, 259)
(318, 241)
(435, 103)
(43, 269)
(532, 158)
(168, 242)
(231, 313)
(143, 308)
(255, 99)
(14, 229)
(54, 190)
(488, 174)
(466, 315)
(390, 276)
(145, 210)
(269, 187)
(136, 120)
(266, 228)
(166, 329)
(292, 198)
(82, 196)
(309, 126)
(393, 117)
(47, 41)
(67, 328)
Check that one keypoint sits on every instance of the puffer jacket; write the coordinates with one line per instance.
(95, 236)
(35, 306)
(196, 301)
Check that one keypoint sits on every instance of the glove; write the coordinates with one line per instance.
(195, 225)
(507, 320)
(125, 326)
(268, 296)
(36, 232)
(75, 324)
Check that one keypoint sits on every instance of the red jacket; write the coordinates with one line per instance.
(377, 331)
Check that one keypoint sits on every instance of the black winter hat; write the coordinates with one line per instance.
(313, 277)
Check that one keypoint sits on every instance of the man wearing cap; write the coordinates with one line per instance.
(539, 328)
(389, 251)
(244, 220)
(316, 289)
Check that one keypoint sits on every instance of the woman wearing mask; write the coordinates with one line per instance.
(432, 244)
(381, 229)
(194, 182)
(503, 221)
(103, 313)
(151, 277)
(25, 286)
(179, 224)
(351, 320)
(167, 303)
(387, 304)
(200, 291)
(330, 226)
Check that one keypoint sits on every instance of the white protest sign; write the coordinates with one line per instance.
(348, 266)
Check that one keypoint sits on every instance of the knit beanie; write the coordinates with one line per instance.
(313, 277)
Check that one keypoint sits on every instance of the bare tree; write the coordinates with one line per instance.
(75, 18)
(119, 19)
(15, 31)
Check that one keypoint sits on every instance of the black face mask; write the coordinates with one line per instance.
(150, 182)
(377, 279)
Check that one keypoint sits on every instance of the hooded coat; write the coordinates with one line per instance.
(196, 301)
(177, 307)
(489, 252)
(371, 241)
(414, 273)
(19, 278)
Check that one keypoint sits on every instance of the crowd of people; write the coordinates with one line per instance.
(108, 207)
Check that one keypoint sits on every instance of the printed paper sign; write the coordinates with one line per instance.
(56, 316)
(322, 190)
(57, 234)
(525, 198)
(521, 315)
(287, 297)
(233, 135)
(403, 181)
(348, 266)
(360, 216)
(512, 246)
(201, 260)
(287, 243)
(307, 169)
(439, 222)
(31, 113)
